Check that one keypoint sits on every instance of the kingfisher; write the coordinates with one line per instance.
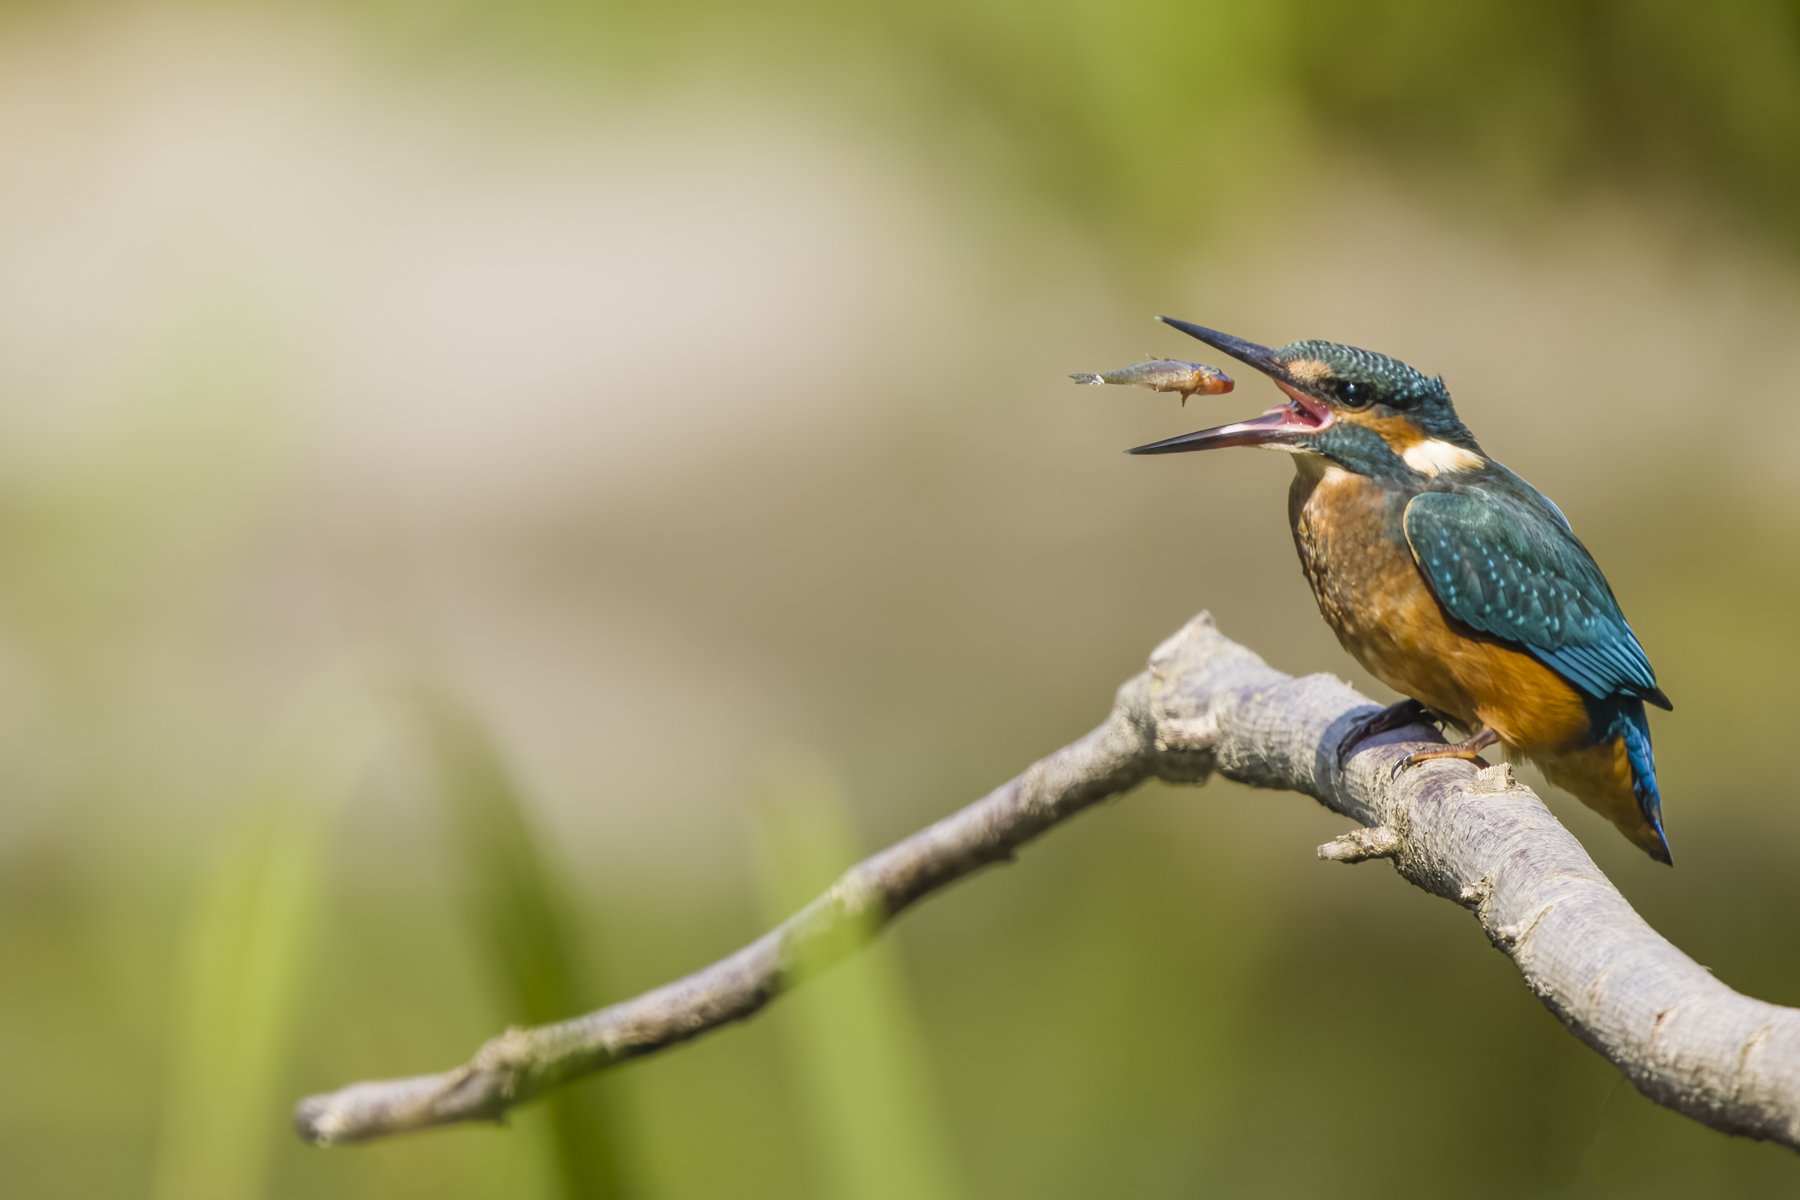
(1450, 578)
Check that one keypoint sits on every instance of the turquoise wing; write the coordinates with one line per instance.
(1516, 573)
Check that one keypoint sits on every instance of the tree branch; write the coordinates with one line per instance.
(1476, 837)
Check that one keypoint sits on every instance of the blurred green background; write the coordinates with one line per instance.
(500, 501)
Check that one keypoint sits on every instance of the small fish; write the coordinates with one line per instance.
(1166, 375)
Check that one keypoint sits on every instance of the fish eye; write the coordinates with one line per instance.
(1354, 395)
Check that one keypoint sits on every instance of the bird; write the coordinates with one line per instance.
(1451, 579)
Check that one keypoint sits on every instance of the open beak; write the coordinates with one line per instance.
(1302, 414)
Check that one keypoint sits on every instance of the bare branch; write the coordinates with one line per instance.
(1473, 836)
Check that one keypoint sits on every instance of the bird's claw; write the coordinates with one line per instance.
(1394, 716)
(1468, 750)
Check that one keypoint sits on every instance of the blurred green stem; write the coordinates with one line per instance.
(247, 938)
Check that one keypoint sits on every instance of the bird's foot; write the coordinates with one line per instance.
(1394, 716)
(1468, 751)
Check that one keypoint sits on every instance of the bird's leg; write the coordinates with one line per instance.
(1469, 751)
(1394, 716)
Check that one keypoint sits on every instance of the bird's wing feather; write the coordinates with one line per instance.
(1509, 571)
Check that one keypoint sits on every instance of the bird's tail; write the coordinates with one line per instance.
(1615, 774)
(1086, 377)
(1631, 725)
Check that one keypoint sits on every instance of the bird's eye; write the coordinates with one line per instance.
(1354, 395)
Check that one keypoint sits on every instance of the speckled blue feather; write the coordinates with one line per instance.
(1514, 570)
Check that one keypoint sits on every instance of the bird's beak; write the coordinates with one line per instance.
(1302, 414)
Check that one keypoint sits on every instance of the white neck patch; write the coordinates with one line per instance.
(1433, 457)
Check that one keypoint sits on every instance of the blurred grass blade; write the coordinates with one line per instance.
(861, 1057)
(246, 939)
(523, 921)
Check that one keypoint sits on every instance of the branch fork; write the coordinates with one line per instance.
(1360, 845)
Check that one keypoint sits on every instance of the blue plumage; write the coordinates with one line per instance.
(1513, 570)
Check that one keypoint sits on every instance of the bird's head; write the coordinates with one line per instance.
(1369, 413)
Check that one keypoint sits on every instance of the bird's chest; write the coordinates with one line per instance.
(1352, 543)
(1351, 537)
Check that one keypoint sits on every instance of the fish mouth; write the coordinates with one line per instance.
(1301, 416)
